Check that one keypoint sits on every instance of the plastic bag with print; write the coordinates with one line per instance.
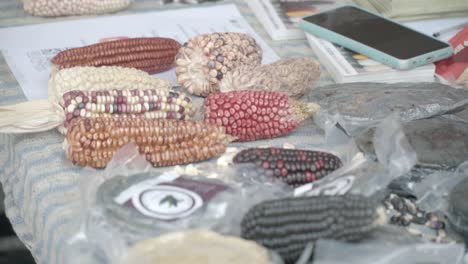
(291, 166)
(364, 174)
(131, 201)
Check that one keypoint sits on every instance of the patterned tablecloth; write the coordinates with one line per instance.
(42, 195)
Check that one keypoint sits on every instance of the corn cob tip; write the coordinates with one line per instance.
(303, 110)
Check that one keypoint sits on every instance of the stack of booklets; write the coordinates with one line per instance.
(280, 18)
(404, 10)
(347, 66)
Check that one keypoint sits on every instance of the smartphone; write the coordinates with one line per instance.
(379, 38)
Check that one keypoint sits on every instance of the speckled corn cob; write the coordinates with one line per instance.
(287, 225)
(93, 141)
(293, 77)
(102, 78)
(252, 115)
(150, 103)
(148, 54)
(293, 166)
(111, 90)
(203, 61)
(53, 8)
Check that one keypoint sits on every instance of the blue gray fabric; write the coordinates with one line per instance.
(42, 196)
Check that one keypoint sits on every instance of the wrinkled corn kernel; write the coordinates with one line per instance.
(203, 61)
(293, 77)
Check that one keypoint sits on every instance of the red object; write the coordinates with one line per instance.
(252, 115)
(451, 68)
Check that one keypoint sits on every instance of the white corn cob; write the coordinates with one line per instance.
(52, 8)
(101, 78)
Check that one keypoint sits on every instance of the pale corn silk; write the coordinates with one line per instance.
(54, 8)
(42, 195)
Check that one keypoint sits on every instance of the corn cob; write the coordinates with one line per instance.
(101, 78)
(287, 225)
(203, 61)
(251, 115)
(93, 142)
(293, 166)
(134, 103)
(293, 77)
(192, 245)
(148, 54)
(84, 91)
(52, 8)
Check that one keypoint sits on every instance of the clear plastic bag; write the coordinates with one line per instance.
(440, 143)
(434, 189)
(363, 105)
(363, 174)
(383, 252)
(131, 201)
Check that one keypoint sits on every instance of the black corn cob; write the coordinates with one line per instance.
(293, 166)
(287, 225)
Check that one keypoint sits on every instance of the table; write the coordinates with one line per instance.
(42, 192)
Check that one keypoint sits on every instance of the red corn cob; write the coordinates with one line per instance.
(151, 55)
(294, 166)
(251, 115)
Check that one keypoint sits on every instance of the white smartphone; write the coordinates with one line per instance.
(377, 37)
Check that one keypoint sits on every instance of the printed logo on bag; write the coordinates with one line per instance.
(339, 186)
(169, 200)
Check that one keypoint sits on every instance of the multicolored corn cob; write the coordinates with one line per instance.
(93, 141)
(287, 225)
(151, 55)
(110, 90)
(294, 77)
(251, 115)
(203, 61)
(293, 166)
(53, 8)
(150, 103)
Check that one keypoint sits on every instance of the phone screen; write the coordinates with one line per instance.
(376, 32)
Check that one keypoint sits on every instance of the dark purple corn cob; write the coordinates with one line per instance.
(287, 225)
(294, 166)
